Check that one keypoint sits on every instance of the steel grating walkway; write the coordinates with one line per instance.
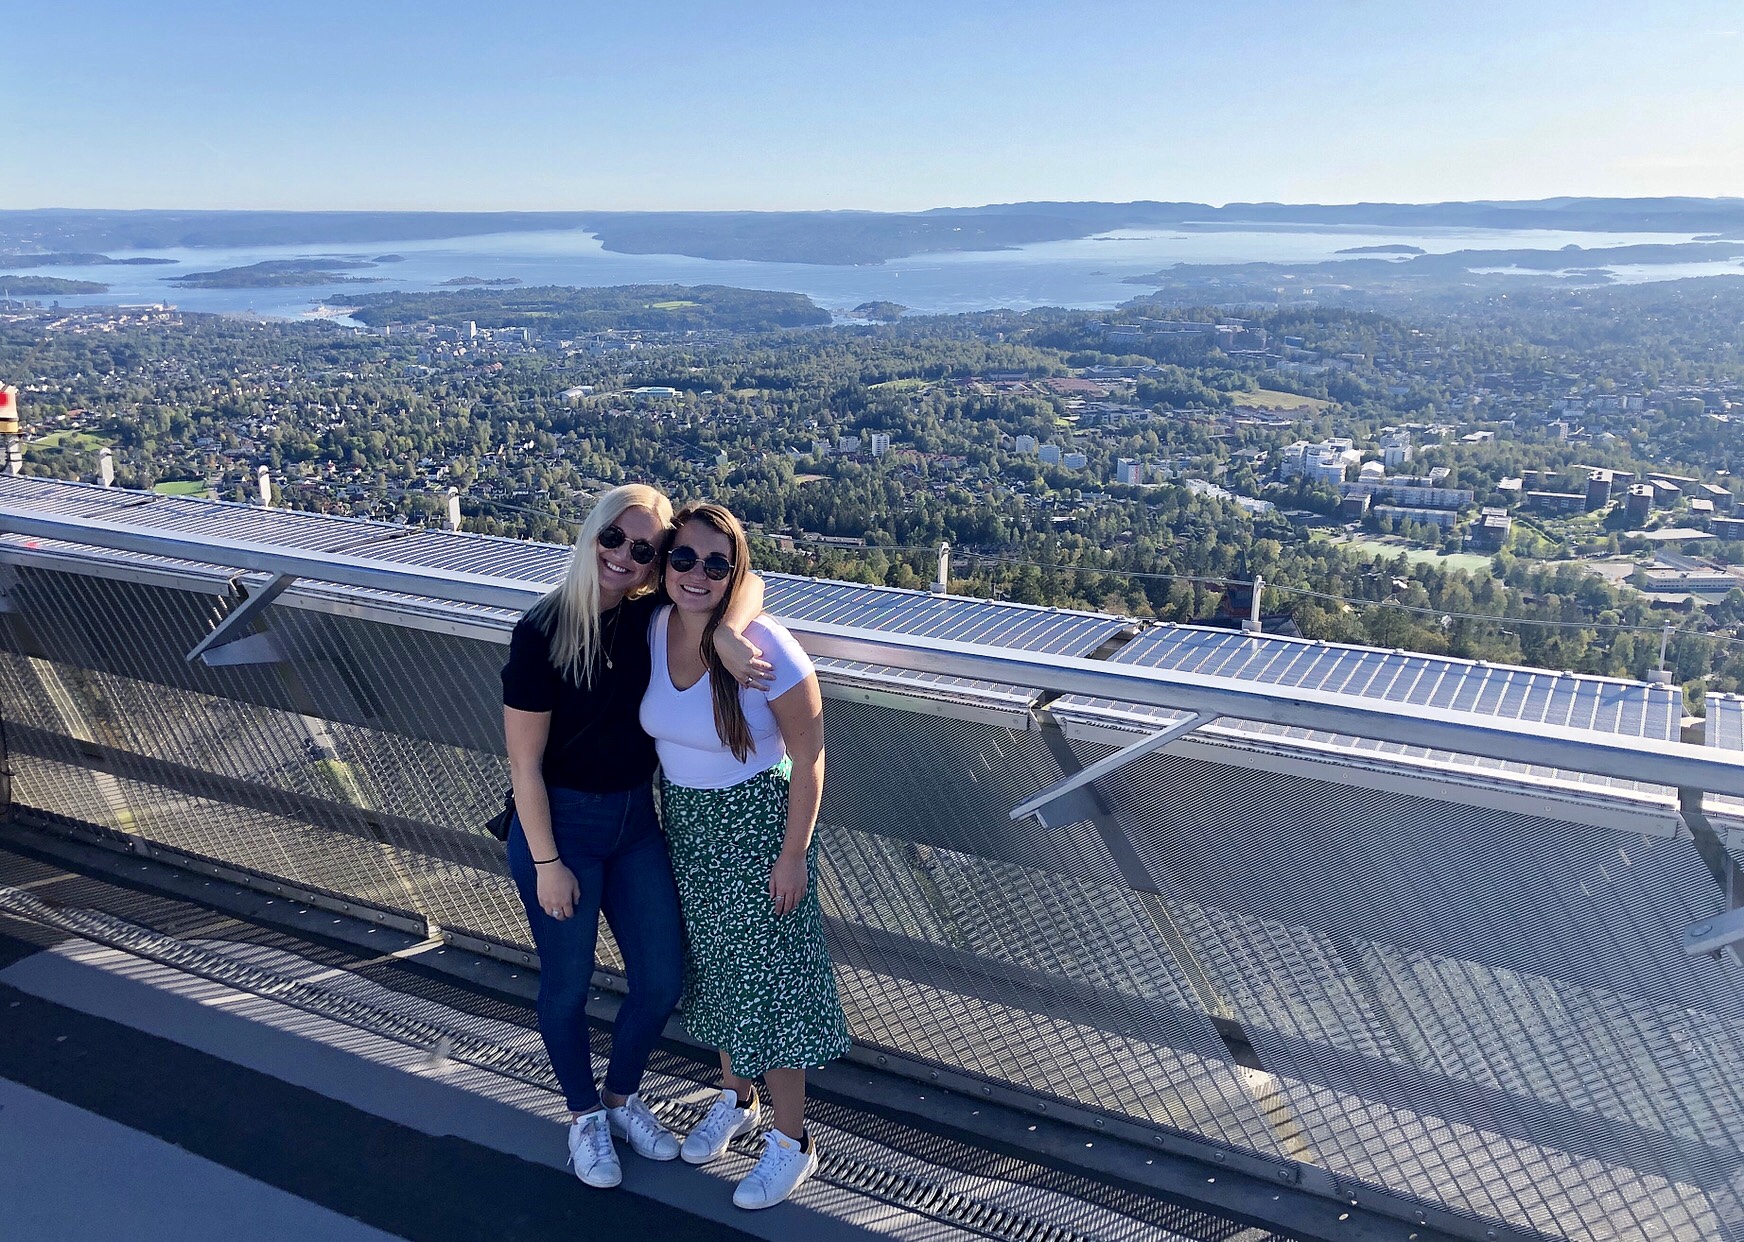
(385, 1027)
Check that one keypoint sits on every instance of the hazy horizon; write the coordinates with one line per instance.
(962, 206)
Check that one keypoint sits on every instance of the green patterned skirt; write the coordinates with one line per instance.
(757, 986)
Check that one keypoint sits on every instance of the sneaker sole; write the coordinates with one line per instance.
(587, 1181)
(800, 1181)
(646, 1155)
(655, 1156)
(750, 1124)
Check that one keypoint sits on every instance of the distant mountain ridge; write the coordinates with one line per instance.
(833, 237)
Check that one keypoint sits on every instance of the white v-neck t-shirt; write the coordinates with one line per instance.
(682, 722)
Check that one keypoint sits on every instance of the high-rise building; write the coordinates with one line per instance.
(880, 443)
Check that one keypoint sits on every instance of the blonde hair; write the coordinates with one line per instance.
(570, 615)
(730, 723)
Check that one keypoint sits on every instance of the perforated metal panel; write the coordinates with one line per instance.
(1607, 705)
(1725, 721)
(1020, 627)
(1480, 1009)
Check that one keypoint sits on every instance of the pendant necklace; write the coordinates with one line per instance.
(611, 637)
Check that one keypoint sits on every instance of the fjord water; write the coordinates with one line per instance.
(1084, 273)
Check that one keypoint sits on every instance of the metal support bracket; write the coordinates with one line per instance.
(1712, 935)
(230, 643)
(1726, 928)
(1047, 798)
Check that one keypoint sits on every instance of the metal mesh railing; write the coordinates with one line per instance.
(1473, 1009)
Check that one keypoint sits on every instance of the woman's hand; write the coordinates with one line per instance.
(788, 881)
(558, 891)
(743, 659)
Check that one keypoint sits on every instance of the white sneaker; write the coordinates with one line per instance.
(722, 1124)
(591, 1153)
(785, 1165)
(633, 1122)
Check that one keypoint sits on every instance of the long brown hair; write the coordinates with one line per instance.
(730, 723)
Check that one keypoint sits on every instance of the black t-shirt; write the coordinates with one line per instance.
(597, 743)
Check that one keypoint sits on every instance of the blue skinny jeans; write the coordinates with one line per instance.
(613, 844)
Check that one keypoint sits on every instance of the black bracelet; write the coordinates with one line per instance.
(542, 862)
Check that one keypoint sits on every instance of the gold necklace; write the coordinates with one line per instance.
(610, 639)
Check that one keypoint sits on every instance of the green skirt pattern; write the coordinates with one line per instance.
(757, 986)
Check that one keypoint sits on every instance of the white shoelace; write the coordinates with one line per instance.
(643, 1119)
(775, 1160)
(598, 1137)
(722, 1119)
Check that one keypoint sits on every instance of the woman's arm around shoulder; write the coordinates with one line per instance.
(743, 658)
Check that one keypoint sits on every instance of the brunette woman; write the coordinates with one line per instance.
(742, 774)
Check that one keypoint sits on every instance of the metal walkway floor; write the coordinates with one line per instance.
(184, 1059)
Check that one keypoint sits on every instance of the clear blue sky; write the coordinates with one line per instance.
(882, 104)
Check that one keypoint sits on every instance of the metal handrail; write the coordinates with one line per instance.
(1646, 760)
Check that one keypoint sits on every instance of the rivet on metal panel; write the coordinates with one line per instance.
(1099, 1122)
(881, 1060)
(1043, 1106)
(935, 1075)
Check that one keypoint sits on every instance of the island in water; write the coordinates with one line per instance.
(557, 311)
(277, 274)
(481, 282)
(1425, 273)
(880, 312)
(46, 286)
(1393, 249)
(75, 258)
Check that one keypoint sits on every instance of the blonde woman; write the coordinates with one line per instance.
(585, 839)
(742, 775)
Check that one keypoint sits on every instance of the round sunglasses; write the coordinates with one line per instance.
(641, 551)
(715, 567)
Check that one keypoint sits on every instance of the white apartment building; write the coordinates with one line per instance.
(1396, 449)
(1325, 462)
(1413, 496)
